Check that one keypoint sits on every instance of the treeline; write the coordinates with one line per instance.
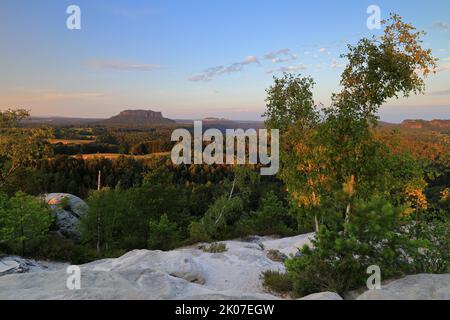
(79, 176)
(112, 140)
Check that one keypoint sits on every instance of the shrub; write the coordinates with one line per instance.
(163, 235)
(24, 219)
(197, 233)
(56, 248)
(271, 218)
(277, 282)
(374, 235)
(64, 204)
(434, 254)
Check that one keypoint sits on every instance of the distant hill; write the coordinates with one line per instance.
(138, 117)
(223, 124)
(437, 125)
(60, 121)
(442, 126)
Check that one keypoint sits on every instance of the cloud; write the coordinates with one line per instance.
(281, 56)
(291, 68)
(336, 65)
(120, 65)
(275, 54)
(250, 59)
(210, 73)
(441, 25)
(279, 60)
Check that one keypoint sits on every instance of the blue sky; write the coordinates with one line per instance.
(192, 59)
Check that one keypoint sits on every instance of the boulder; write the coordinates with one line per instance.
(323, 296)
(67, 210)
(412, 287)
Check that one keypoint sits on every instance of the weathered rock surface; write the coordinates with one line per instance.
(323, 296)
(187, 273)
(413, 287)
(12, 264)
(15, 264)
(68, 216)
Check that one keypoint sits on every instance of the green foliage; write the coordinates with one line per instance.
(271, 218)
(289, 100)
(224, 213)
(19, 147)
(53, 247)
(23, 219)
(277, 282)
(163, 235)
(372, 236)
(320, 153)
(197, 232)
(346, 181)
(119, 219)
(433, 255)
(64, 204)
(221, 216)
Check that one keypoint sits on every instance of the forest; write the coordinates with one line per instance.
(373, 195)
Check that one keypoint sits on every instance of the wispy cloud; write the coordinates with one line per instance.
(291, 68)
(275, 54)
(279, 60)
(210, 73)
(441, 25)
(335, 64)
(281, 56)
(121, 65)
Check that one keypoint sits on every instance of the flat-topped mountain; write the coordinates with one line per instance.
(140, 117)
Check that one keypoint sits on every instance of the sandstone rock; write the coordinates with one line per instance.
(186, 273)
(191, 273)
(15, 264)
(413, 287)
(289, 246)
(68, 214)
(323, 296)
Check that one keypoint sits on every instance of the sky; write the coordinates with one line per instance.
(193, 59)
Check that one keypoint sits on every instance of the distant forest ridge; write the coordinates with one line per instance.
(150, 117)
